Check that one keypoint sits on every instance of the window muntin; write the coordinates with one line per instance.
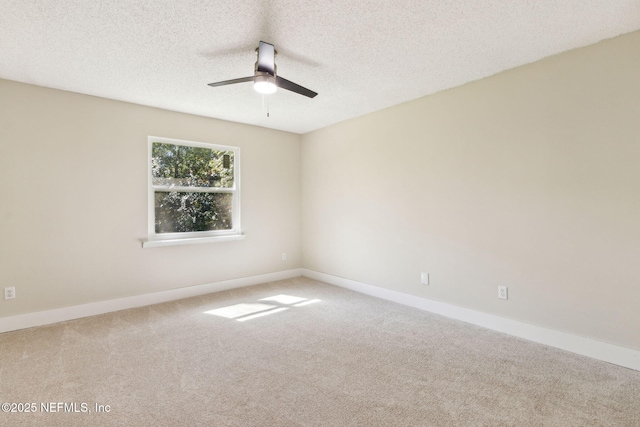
(193, 189)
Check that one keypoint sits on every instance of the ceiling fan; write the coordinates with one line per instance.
(265, 80)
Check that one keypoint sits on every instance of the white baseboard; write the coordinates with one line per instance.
(574, 343)
(29, 320)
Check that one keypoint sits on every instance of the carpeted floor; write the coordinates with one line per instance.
(328, 357)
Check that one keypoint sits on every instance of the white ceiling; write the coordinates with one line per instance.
(359, 55)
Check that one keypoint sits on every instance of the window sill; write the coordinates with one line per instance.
(190, 241)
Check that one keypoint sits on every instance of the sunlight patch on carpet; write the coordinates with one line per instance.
(239, 310)
(245, 311)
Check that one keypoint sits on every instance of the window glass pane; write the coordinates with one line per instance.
(177, 212)
(186, 166)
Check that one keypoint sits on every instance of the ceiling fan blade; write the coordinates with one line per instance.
(267, 58)
(289, 85)
(231, 82)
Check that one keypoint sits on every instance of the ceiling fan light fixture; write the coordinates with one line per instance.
(265, 84)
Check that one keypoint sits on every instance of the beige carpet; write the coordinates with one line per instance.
(329, 357)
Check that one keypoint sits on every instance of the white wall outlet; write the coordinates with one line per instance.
(424, 278)
(10, 293)
(284, 256)
(502, 292)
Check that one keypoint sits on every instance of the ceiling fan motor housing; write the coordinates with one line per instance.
(257, 72)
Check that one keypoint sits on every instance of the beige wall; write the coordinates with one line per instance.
(74, 200)
(528, 179)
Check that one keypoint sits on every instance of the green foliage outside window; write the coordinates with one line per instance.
(196, 207)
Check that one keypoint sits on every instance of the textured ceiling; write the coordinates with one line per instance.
(359, 55)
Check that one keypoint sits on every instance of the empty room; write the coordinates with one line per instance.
(293, 213)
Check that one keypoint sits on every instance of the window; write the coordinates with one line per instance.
(194, 192)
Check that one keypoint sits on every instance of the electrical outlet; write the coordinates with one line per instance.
(424, 278)
(284, 256)
(10, 293)
(502, 292)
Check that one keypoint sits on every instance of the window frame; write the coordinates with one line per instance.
(179, 238)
